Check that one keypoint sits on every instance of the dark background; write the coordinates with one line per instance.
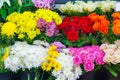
(64, 1)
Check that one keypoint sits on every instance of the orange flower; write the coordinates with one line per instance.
(116, 21)
(96, 26)
(116, 15)
(116, 29)
(93, 17)
(103, 29)
(100, 22)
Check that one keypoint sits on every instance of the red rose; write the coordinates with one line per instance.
(86, 25)
(72, 35)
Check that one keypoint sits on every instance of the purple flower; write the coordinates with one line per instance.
(41, 23)
(59, 45)
(43, 3)
(47, 6)
(49, 32)
(51, 29)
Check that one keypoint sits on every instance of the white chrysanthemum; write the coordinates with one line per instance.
(38, 42)
(106, 5)
(68, 70)
(90, 6)
(25, 56)
(12, 63)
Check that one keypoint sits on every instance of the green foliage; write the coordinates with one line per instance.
(14, 6)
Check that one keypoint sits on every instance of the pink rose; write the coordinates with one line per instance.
(100, 61)
(77, 60)
(88, 66)
(72, 51)
(91, 57)
(83, 57)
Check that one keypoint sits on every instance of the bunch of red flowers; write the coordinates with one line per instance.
(74, 25)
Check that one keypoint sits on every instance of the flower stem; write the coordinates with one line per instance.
(28, 75)
(42, 76)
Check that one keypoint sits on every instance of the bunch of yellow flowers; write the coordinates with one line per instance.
(48, 15)
(51, 63)
(24, 25)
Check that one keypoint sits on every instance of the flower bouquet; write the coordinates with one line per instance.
(38, 39)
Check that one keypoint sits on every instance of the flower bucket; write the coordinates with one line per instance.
(87, 76)
(111, 77)
(24, 75)
(6, 76)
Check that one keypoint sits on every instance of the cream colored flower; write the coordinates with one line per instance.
(108, 58)
(109, 51)
(117, 42)
(116, 59)
(90, 6)
(103, 47)
(112, 46)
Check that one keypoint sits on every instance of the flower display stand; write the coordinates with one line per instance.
(23, 75)
(6, 76)
(111, 77)
(87, 76)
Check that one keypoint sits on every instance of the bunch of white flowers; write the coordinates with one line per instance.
(68, 70)
(112, 52)
(2, 1)
(25, 56)
(89, 6)
(106, 6)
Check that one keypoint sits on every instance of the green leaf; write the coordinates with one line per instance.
(3, 13)
(68, 43)
(116, 67)
(113, 72)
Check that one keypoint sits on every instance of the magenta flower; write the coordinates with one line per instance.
(91, 57)
(87, 56)
(77, 60)
(88, 66)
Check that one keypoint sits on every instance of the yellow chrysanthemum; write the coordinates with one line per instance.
(21, 36)
(9, 28)
(13, 17)
(1, 24)
(46, 66)
(31, 34)
(57, 66)
(53, 54)
(48, 15)
(53, 47)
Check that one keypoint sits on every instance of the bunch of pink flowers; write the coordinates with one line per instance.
(88, 56)
(47, 4)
